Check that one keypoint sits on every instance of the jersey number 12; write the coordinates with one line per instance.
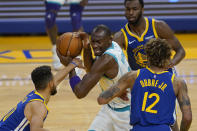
(149, 108)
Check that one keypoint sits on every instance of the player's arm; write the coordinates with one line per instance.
(119, 38)
(126, 81)
(82, 87)
(165, 32)
(60, 75)
(87, 52)
(184, 103)
(36, 114)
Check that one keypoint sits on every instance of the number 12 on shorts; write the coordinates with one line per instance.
(149, 108)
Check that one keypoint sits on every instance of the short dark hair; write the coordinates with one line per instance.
(141, 2)
(102, 27)
(158, 52)
(41, 76)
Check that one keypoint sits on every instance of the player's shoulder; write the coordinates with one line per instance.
(160, 23)
(119, 38)
(178, 82)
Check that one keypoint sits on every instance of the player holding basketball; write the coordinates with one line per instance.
(110, 64)
(52, 8)
(154, 92)
(30, 113)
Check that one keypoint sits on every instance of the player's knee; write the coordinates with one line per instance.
(50, 19)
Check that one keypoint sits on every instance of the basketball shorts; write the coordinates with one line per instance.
(151, 128)
(109, 119)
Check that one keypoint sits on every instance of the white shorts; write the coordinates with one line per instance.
(110, 120)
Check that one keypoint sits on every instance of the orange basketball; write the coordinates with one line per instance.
(68, 42)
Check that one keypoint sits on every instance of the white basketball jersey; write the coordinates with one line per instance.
(123, 67)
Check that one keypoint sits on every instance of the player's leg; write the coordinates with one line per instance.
(52, 8)
(102, 121)
(76, 17)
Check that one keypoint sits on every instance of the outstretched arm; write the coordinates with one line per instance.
(184, 103)
(165, 32)
(118, 88)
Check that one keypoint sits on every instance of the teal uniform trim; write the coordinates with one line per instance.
(126, 108)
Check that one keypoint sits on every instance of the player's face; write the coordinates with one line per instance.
(100, 43)
(133, 11)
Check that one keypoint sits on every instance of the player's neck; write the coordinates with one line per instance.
(139, 27)
(45, 94)
(157, 69)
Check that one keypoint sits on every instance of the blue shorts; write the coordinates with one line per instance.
(151, 128)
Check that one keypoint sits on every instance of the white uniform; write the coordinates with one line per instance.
(115, 115)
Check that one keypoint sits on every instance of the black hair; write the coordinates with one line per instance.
(104, 28)
(141, 2)
(41, 76)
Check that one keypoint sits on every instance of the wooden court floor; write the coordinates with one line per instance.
(67, 113)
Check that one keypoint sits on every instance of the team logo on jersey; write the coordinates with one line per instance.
(140, 56)
(131, 42)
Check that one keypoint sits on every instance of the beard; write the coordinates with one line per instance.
(53, 91)
(137, 20)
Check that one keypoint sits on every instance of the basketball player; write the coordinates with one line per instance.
(139, 30)
(30, 113)
(154, 92)
(110, 64)
(52, 8)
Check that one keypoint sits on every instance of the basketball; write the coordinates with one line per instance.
(69, 42)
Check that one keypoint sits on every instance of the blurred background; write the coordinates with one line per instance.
(27, 16)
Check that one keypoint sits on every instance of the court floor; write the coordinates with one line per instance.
(19, 55)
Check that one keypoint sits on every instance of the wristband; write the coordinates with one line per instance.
(74, 81)
(73, 63)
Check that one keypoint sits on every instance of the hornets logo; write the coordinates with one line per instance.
(140, 56)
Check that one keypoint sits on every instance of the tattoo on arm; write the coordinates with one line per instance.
(184, 101)
(110, 93)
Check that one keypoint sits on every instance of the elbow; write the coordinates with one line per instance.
(79, 94)
(101, 101)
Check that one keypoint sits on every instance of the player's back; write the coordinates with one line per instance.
(153, 101)
(15, 119)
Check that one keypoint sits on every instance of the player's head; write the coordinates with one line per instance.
(158, 52)
(42, 78)
(134, 10)
(100, 39)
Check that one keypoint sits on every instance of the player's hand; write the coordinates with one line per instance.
(78, 62)
(124, 96)
(85, 38)
(65, 60)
